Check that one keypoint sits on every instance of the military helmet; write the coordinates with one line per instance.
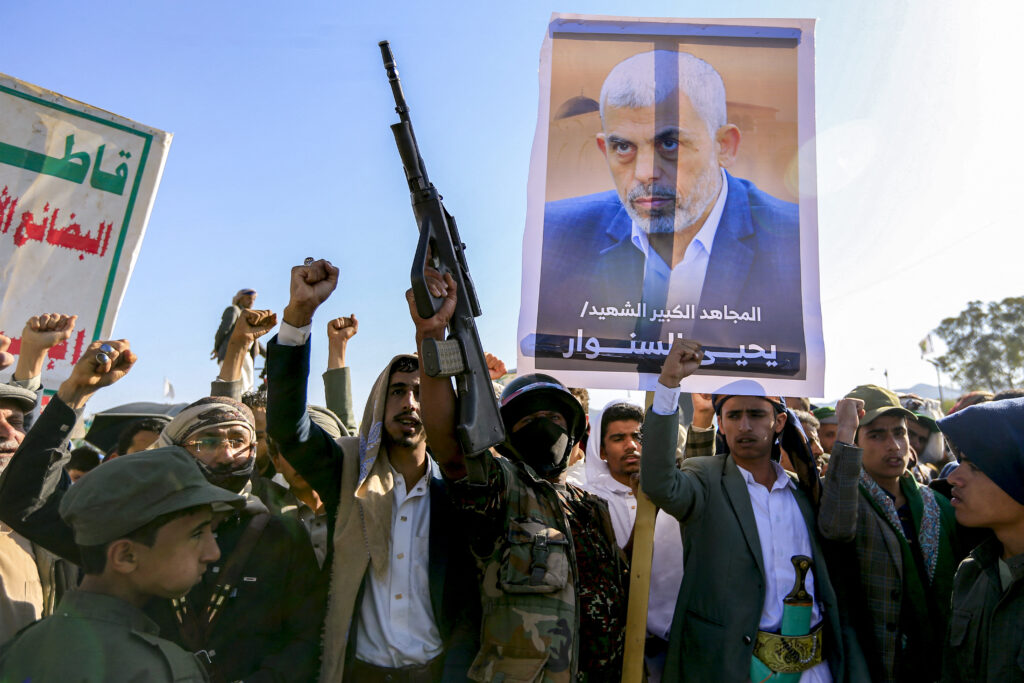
(529, 393)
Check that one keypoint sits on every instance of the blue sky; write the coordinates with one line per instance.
(282, 150)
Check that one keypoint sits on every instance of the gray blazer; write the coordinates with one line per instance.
(723, 591)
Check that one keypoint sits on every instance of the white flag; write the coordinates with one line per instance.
(168, 389)
(926, 346)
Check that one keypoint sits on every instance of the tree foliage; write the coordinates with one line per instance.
(985, 345)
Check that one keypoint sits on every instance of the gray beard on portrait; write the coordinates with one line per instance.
(685, 214)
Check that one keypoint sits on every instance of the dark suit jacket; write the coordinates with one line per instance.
(723, 591)
(588, 256)
(318, 458)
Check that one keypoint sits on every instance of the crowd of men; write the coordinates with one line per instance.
(253, 537)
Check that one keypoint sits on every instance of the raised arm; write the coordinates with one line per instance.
(837, 514)
(250, 326)
(437, 396)
(680, 492)
(337, 379)
(700, 434)
(34, 481)
(41, 333)
(303, 444)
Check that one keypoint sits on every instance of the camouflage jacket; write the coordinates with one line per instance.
(521, 538)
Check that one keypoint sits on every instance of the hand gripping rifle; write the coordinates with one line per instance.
(460, 355)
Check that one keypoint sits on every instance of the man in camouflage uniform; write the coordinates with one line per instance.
(553, 585)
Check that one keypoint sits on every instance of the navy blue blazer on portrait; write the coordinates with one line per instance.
(589, 259)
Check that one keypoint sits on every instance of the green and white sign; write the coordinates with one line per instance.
(77, 185)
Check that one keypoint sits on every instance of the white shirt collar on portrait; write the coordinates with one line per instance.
(704, 238)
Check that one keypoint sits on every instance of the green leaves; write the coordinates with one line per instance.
(985, 345)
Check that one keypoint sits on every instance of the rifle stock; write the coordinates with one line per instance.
(461, 355)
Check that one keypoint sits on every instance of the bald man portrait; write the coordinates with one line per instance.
(678, 229)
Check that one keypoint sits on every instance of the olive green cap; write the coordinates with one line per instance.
(878, 401)
(125, 494)
(826, 415)
(926, 421)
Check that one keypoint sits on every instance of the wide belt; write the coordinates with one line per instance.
(790, 654)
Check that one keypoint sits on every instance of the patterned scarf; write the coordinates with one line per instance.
(929, 530)
(212, 411)
(362, 530)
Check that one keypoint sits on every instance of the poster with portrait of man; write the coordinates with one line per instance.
(672, 194)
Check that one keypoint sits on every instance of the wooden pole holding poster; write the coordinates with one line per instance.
(639, 582)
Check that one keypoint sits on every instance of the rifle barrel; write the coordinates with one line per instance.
(396, 85)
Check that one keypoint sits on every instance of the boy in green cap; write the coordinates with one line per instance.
(901, 533)
(144, 527)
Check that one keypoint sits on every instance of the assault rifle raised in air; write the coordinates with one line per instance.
(440, 247)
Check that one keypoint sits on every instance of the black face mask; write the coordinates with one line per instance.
(543, 445)
(231, 479)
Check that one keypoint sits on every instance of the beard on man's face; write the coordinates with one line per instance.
(404, 430)
(404, 439)
(681, 213)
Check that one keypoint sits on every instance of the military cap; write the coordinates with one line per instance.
(25, 399)
(125, 494)
(926, 421)
(826, 415)
(877, 402)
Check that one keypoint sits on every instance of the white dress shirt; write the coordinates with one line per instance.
(667, 562)
(783, 534)
(396, 621)
(289, 335)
